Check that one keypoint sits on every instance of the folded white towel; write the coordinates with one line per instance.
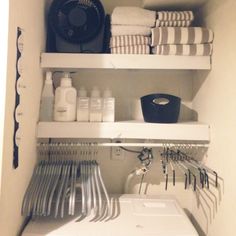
(133, 16)
(171, 4)
(130, 30)
(129, 40)
(184, 49)
(135, 49)
(181, 35)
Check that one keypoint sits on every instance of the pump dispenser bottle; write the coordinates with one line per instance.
(95, 114)
(82, 105)
(47, 99)
(65, 100)
(108, 109)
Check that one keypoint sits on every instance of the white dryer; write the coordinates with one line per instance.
(133, 215)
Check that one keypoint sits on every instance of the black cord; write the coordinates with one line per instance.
(24, 224)
(128, 150)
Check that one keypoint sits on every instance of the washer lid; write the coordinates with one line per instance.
(132, 215)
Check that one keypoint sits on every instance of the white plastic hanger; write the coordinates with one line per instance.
(98, 190)
(48, 187)
(38, 192)
(89, 198)
(108, 209)
(83, 192)
(65, 187)
(61, 184)
(94, 195)
(71, 210)
(35, 188)
(27, 196)
(55, 185)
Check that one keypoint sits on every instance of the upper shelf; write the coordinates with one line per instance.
(120, 61)
(188, 131)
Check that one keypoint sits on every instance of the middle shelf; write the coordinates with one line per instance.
(73, 61)
(186, 131)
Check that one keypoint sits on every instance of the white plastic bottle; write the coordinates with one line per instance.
(65, 100)
(47, 99)
(108, 110)
(82, 105)
(95, 114)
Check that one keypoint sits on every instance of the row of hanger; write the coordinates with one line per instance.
(195, 173)
(68, 178)
(56, 185)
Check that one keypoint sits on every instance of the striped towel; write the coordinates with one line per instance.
(184, 49)
(133, 16)
(130, 30)
(129, 40)
(135, 49)
(173, 23)
(181, 35)
(175, 15)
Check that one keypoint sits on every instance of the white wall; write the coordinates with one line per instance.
(4, 12)
(214, 99)
(29, 16)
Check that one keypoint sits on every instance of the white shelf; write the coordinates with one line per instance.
(118, 61)
(191, 131)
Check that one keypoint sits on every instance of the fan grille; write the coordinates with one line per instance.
(76, 21)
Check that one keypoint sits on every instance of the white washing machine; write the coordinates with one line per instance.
(132, 215)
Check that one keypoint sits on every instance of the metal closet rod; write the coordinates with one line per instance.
(123, 144)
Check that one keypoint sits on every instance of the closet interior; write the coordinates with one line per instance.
(70, 174)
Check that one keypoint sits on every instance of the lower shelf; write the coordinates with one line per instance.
(188, 131)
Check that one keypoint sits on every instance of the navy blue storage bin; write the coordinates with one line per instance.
(160, 108)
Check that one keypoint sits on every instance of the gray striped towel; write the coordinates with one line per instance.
(184, 49)
(135, 49)
(129, 40)
(175, 15)
(173, 23)
(181, 35)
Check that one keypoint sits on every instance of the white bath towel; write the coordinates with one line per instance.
(181, 35)
(136, 49)
(129, 40)
(130, 30)
(173, 23)
(133, 16)
(184, 49)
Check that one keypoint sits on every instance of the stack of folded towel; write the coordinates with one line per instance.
(131, 30)
(173, 36)
(174, 18)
